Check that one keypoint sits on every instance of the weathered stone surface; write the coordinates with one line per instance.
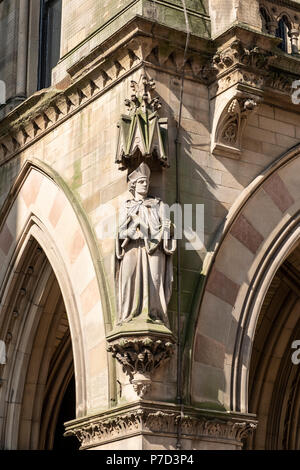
(147, 420)
(60, 186)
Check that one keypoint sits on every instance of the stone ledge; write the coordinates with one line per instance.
(160, 13)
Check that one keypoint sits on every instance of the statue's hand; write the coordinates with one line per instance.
(139, 224)
(131, 231)
(143, 228)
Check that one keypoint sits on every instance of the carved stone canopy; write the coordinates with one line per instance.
(231, 124)
(142, 133)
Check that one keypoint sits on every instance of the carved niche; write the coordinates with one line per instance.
(242, 72)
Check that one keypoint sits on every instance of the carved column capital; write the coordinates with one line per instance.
(215, 429)
(237, 54)
(272, 26)
(294, 35)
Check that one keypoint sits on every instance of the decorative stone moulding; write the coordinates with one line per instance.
(255, 67)
(163, 421)
(238, 64)
(253, 57)
(245, 75)
(231, 125)
(142, 133)
(280, 81)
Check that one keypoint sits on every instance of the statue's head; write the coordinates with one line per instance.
(139, 180)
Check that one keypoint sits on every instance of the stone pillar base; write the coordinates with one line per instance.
(160, 426)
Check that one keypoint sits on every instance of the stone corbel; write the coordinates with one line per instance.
(231, 122)
(140, 354)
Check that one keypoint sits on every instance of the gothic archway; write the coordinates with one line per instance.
(274, 380)
(261, 231)
(66, 283)
(39, 353)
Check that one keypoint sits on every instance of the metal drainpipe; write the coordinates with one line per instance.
(21, 85)
(177, 156)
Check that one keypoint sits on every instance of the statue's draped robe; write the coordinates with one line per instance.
(145, 272)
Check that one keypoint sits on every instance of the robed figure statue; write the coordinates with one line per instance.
(144, 248)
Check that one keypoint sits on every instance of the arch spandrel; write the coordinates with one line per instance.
(261, 230)
(38, 207)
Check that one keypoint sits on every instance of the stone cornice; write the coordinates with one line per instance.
(90, 78)
(254, 66)
(243, 31)
(149, 14)
(148, 418)
(144, 28)
(138, 47)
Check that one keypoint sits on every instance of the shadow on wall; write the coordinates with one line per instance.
(200, 181)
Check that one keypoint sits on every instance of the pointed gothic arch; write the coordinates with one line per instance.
(38, 216)
(261, 230)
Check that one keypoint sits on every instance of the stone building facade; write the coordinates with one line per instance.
(226, 137)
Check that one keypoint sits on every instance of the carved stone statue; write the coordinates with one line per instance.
(144, 248)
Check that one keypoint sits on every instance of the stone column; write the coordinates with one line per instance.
(272, 27)
(294, 35)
